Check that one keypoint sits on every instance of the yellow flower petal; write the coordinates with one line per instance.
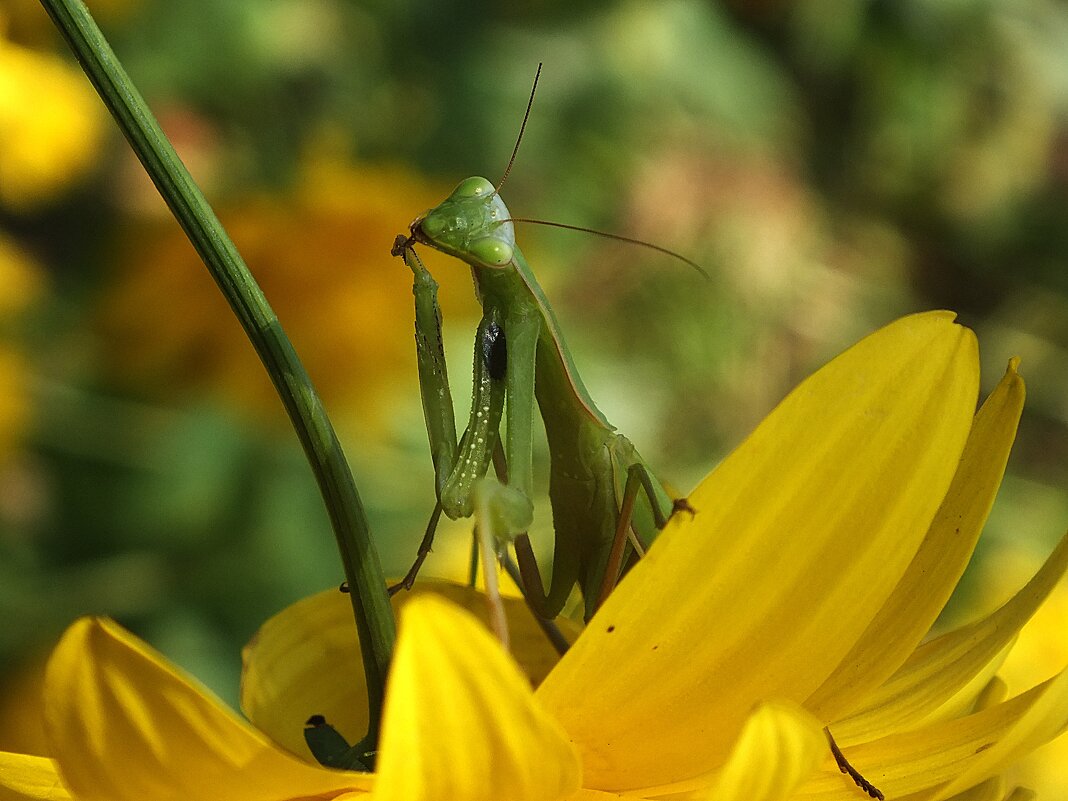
(1044, 719)
(990, 790)
(984, 690)
(29, 777)
(948, 757)
(461, 721)
(995, 691)
(939, 668)
(285, 664)
(939, 563)
(800, 536)
(125, 726)
(779, 747)
(305, 661)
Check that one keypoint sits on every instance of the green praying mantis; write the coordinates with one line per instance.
(606, 503)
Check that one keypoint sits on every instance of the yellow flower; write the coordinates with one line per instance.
(51, 125)
(820, 553)
(21, 284)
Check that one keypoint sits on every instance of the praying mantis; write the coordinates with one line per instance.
(602, 493)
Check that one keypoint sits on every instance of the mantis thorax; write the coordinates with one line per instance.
(468, 224)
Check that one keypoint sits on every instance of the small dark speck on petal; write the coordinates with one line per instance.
(610, 629)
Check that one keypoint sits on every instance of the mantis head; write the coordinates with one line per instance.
(472, 224)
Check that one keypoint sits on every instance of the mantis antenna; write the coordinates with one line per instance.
(618, 237)
(523, 127)
(605, 234)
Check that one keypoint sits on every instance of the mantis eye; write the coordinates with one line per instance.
(433, 225)
(473, 187)
(492, 251)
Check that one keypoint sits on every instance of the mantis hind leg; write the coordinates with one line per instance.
(638, 479)
(545, 605)
(527, 575)
(551, 631)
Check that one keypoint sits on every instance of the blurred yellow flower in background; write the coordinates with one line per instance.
(20, 280)
(51, 125)
(20, 284)
(14, 409)
(321, 255)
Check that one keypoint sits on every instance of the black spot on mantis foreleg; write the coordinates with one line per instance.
(495, 352)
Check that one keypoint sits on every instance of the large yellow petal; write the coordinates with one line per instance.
(1046, 718)
(305, 661)
(779, 747)
(939, 563)
(289, 661)
(461, 720)
(25, 777)
(942, 759)
(939, 668)
(125, 726)
(799, 537)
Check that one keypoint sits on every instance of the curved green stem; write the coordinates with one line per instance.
(374, 616)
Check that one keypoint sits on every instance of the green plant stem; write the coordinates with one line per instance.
(370, 602)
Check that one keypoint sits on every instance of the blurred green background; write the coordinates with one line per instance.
(833, 163)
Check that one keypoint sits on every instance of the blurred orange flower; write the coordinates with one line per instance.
(321, 255)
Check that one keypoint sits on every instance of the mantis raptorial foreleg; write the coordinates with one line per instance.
(503, 364)
(505, 347)
(433, 373)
